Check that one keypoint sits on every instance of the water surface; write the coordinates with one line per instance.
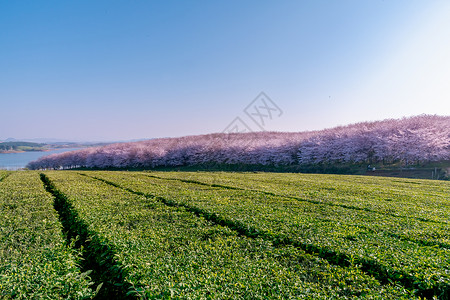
(15, 161)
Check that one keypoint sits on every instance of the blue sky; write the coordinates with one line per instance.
(119, 70)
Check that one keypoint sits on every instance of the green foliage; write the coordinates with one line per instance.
(395, 230)
(3, 174)
(35, 263)
(170, 252)
(21, 146)
(219, 235)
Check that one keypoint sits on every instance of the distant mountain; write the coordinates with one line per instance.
(407, 141)
(10, 140)
(40, 140)
(55, 141)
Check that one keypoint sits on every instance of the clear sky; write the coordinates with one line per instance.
(120, 70)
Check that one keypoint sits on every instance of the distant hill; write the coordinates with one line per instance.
(36, 140)
(55, 141)
(407, 141)
(18, 146)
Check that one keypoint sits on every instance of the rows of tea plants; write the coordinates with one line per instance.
(407, 250)
(408, 228)
(419, 209)
(3, 174)
(423, 199)
(35, 262)
(168, 251)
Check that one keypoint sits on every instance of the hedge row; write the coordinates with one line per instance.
(414, 210)
(412, 198)
(35, 262)
(168, 251)
(390, 248)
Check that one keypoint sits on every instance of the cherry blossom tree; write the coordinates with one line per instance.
(409, 140)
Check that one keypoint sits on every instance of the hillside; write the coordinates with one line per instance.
(17, 146)
(405, 142)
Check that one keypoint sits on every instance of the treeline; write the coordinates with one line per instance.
(412, 140)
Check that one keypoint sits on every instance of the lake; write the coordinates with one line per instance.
(15, 161)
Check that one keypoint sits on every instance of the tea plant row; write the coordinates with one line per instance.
(35, 262)
(409, 251)
(168, 251)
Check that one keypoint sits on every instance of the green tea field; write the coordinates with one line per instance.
(222, 235)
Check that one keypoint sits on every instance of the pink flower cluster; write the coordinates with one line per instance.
(408, 140)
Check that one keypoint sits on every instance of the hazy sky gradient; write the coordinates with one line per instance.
(119, 70)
